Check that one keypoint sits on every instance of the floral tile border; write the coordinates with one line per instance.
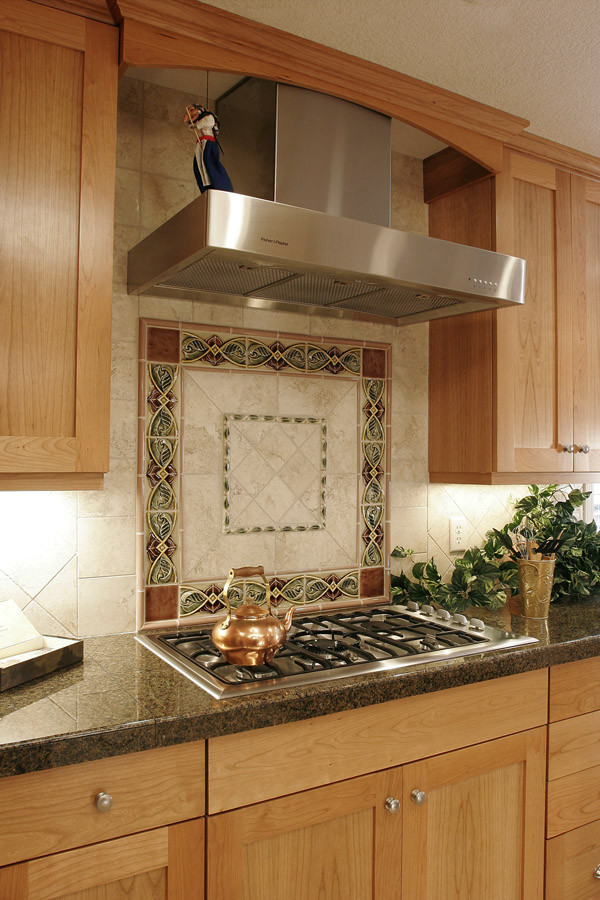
(298, 590)
(299, 420)
(160, 461)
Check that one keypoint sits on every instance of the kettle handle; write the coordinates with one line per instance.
(244, 572)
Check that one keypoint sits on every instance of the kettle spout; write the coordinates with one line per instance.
(287, 621)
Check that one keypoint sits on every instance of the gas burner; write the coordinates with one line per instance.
(330, 645)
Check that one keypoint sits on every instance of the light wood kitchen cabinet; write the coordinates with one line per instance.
(58, 84)
(124, 827)
(334, 841)
(460, 826)
(513, 393)
(163, 864)
(573, 808)
(478, 831)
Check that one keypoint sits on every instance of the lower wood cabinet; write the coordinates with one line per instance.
(464, 825)
(162, 864)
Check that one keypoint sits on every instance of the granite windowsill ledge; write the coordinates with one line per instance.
(122, 698)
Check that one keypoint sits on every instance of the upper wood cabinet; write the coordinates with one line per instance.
(58, 83)
(514, 394)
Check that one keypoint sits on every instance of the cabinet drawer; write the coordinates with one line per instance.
(573, 801)
(43, 812)
(574, 688)
(573, 745)
(571, 862)
(358, 741)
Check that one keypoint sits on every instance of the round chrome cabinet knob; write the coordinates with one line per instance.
(418, 797)
(103, 801)
(597, 872)
(392, 805)
(584, 449)
(568, 448)
(476, 624)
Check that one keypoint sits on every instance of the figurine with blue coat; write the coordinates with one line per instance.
(208, 168)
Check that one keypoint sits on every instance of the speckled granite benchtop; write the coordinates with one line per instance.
(122, 698)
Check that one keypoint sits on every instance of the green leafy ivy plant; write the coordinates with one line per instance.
(545, 519)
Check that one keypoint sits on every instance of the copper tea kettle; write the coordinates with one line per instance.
(249, 636)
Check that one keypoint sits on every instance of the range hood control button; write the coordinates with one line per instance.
(444, 614)
(460, 619)
(476, 624)
(412, 605)
(427, 610)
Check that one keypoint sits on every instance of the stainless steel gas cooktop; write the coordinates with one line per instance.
(334, 645)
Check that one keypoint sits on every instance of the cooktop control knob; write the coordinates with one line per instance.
(427, 610)
(460, 619)
(444, 614)
(412, 605)
(476, 624)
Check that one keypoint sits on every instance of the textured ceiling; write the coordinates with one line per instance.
(539, 59)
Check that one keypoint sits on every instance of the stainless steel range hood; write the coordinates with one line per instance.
(246, 250)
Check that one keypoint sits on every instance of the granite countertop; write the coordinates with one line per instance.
(122, 698)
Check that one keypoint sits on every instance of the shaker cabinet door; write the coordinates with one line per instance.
(586, 324)
(163, 864)
(58, 83)
(473, 822)
(337, 841)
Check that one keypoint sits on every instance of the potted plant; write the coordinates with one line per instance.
(543, 525)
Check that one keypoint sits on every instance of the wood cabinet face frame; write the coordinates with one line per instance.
(57, 411)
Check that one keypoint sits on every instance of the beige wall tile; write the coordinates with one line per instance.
(127, 197)
(166, 308)
(45, 622)
(118, 496)
(411, 345)
(409, 436)
(408, 170)
(167, 149)
(129, 140)
(124, 371)
(106, 546)
(106, 605)
(125, 308)
(167, 105)
(444, 563)
(123, 429)
(409, 483)
(270, 320)
(409, 528)
(131, 96)
(216, 314)
(162, 197)
(409, 391)
(10, 590)
(37, 536)
(409, 213)
(59, 600)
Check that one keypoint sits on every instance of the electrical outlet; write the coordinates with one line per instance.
(458, 533)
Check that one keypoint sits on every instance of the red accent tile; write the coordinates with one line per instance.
(163, 345)
(373, 363)
(162, 602)
(371, 582)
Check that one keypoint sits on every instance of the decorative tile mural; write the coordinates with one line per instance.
(260, 450)
(274, 473)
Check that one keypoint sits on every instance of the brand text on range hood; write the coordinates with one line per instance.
(246, 250)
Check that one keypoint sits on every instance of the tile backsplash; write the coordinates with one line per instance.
(69, 559)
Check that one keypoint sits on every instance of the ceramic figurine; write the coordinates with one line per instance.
(208, 168)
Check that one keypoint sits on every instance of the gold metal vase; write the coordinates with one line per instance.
(536, 577)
